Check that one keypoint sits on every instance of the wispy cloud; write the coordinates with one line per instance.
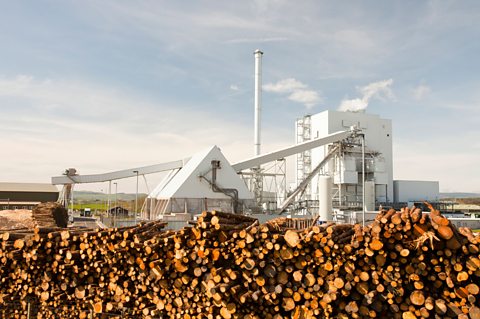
(380, 90)
(296, 90)
(284, 86)
(75, 101)
(162, 77)
(99, 129)
(257, 40)
(421, 91)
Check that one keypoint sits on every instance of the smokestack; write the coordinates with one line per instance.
(258, 100)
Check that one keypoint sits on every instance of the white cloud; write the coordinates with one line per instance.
(43, 95)
(376, 89)
(99, 130)
(421, 91)
(234, 87)
(380, 90)
(353, 105)
(284, 86)
(257, 40)
(15, 86)
(356, 44)
(307, 97)
(298, 91)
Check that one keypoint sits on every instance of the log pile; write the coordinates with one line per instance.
(406, 264)
(44, 215)
(50, 214)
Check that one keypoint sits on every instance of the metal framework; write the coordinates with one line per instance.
(306, 181)
(273, 180)
(304, 159)
(258, 174)
(105, 177)
(257, 177)
(291, 150)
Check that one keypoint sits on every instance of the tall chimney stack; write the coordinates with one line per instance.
(258, 100)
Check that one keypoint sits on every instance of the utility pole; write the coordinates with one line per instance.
(136, 199)
(116, 206)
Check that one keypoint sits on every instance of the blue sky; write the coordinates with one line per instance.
(105, 85)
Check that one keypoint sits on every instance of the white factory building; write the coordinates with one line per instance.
(206, 182)
(344, 165)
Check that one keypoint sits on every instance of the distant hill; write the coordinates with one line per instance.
(88, 196)
(459, 195)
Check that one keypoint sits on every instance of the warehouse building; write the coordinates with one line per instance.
(26, 195)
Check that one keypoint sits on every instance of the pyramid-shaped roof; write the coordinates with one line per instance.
(187, 183)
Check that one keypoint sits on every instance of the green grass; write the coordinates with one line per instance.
(92, 206)
(101, 205)
(476, 230)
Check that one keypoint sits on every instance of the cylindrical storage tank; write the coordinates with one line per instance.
(325, 198)
(369, 196)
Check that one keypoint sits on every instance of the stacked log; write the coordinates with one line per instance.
(50, 214)
(413, 265)
(406, 264)
(44, 215)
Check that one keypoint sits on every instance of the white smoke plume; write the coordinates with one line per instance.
(380, 90)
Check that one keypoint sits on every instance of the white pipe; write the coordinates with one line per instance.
(340, 171)
(363, 179)
(73, 186)
(258, 100)
(116, 206)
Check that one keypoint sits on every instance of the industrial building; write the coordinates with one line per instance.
(343, 164)
(26, 195)
(360, 169)
(345, 167)
(206, 182)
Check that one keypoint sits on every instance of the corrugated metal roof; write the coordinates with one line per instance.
(28, 187)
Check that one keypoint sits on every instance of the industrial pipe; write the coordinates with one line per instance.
(258, 100)
(363, 179)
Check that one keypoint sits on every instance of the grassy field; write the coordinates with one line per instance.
(102, 205)
(92, 206)
(98, 201)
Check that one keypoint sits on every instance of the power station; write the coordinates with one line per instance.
(343, 169)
